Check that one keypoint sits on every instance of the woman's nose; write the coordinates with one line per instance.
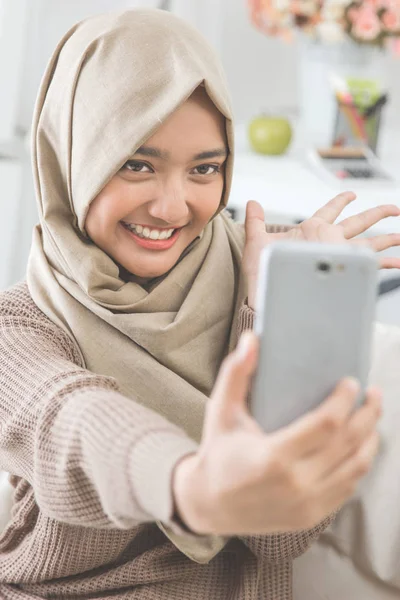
(170, 205)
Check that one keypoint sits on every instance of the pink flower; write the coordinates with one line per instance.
(366, 25)
(352, 14)
(391, 20)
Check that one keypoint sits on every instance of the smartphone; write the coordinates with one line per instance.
(315, 309)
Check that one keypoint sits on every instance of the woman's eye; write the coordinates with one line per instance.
(137, 167)
(207, 169)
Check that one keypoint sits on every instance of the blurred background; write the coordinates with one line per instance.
(303, 75)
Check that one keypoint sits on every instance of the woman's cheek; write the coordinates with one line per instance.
(211, 197)
(134, 194)
(214, 197)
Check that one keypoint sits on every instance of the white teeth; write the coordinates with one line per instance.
(153, 234)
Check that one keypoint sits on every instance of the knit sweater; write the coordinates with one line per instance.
(92, 476)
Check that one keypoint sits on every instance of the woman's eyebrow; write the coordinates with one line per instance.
(211, 154)
(154, 152)
(157, 153)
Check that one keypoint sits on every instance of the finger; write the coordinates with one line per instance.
(255, 220)
(334, 491)
(355, 467)
(233, 383)
(360, 427)
(389, 263)
(311, 432)
(357, 224)
(334, 207)
(379, 242)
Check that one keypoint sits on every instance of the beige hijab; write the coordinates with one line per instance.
(113, 79)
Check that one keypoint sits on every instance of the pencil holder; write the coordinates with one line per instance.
(354, 127)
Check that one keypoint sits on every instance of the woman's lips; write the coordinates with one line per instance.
(153, 244)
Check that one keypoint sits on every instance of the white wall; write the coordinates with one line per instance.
(261, 70)
(13, 29)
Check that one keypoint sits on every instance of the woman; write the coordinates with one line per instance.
(128, 483)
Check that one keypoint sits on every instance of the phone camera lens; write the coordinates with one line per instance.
(324, 266)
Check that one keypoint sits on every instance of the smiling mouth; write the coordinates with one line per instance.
(151, 243)
(148, 233)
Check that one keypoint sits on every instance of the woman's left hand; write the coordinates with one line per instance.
(320, 227)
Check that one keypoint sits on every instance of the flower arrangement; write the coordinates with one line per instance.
(373, 22)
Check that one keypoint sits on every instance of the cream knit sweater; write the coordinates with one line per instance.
(83, 456)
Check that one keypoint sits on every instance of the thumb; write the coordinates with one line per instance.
(255, 219)
(228, 400)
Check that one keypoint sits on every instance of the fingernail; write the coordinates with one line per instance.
(244, 344)
(353, 384)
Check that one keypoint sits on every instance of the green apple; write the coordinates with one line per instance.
(269, 134)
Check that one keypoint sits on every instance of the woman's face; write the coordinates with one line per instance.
(165, 194)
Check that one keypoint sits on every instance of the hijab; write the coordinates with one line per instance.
(112, 80)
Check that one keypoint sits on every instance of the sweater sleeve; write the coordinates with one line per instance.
(93, 457)
(279, 547)
(203, 548)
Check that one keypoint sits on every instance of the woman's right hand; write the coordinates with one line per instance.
(245, 482)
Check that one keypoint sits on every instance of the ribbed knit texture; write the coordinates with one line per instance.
(246, 318)
(92, 475)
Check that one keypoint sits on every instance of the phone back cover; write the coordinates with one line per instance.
(316, 326)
